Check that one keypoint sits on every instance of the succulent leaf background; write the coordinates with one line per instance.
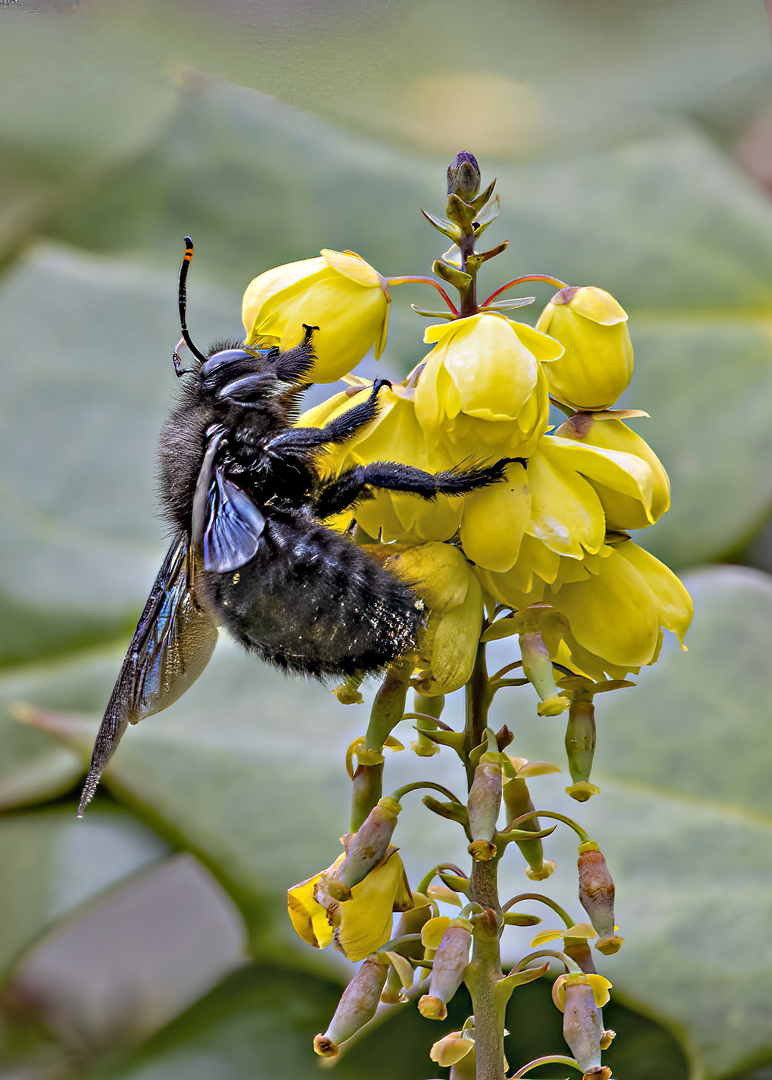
(628, 142)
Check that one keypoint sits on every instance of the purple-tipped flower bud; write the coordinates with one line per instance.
(580, 747)
(464, 176)
(596, 895)
(484, 805)
(366, 848)
(448, 967)
(356, 1007)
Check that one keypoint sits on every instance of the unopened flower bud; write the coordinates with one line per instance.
(464, 176)
(596, 895)
(448, 967)
(537, 668)
(356, 1007)
(517, 800)
(582, 1023)
(484, 805)
(580, 746)
(597, 363)
(366, 848)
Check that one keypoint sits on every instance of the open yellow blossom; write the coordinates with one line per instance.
(363, 923)
(395, 436)
(445, 581)
(645, 597)
(485, 368)
(626, 474)
(338, 292)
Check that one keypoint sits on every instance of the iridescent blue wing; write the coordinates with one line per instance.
(226, 523)
(172, 645)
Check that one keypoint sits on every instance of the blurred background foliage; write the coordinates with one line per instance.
(632, 141)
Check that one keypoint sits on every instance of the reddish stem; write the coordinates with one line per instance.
(519, 281)
(425, 281)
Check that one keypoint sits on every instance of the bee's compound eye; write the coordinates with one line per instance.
(222, 359)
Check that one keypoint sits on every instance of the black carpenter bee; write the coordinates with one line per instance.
(241, 489)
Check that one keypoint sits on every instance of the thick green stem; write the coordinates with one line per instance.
(482, 976)
(484, 971)
(468, 296)
(388, 708)
(476, 710)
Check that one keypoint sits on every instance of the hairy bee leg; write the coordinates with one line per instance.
(390, 476)
(293, 364)
(300, 439)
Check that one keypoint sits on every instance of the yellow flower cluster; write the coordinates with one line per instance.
(555, 530)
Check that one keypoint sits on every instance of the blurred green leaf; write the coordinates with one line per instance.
(84, 395)
(79, 100)
(53, 864)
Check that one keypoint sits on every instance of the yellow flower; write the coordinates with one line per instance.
(452, 1048)
(485, 368)
(598, 360)
(547, 500)
(626, 474)
(338, 292)
(363, 923)
(445, 581)
(395, 436)
(617, 614)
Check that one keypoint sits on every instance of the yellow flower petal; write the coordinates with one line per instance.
(366, 919)
(339, 293)
(494, 520)
(598, 360)
(630, 637)
(566, 514)
(674, 604)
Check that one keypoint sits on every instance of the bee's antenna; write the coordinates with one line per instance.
(182, 303)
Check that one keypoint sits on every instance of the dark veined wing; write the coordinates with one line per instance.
(226, 523)
(172, 645)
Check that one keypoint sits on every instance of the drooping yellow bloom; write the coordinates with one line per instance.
(626, 474)
(445, 581)
(338, 292)
(597, 363)
(395, 435)
(363, 923)
(617, 615)
(483, 385)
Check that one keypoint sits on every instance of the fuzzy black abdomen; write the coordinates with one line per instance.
(312, 602)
